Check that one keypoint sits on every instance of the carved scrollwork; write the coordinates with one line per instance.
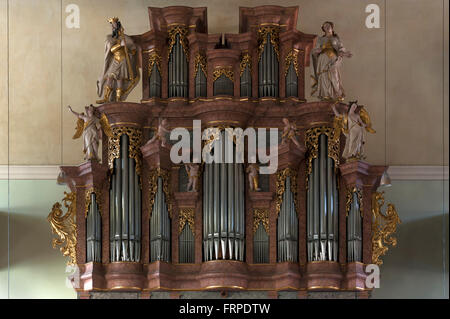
(186, 215)
(182, 31)
(383, 227)
(134, 145)
(98, 195)
(312, 145)
(263, 32)
(64, 226)
(246, 60)
(281, 184)
(153, 188)
(200, 62)
(260, 216)
(227, 71)
(349, 200)
(154, 59)
(292, 57)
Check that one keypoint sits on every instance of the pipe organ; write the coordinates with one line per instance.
(223, 209)
(133, 224)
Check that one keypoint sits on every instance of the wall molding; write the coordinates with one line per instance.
(50, 172)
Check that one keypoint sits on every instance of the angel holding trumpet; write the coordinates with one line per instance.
(90, 126)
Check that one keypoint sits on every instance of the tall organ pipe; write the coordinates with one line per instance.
(322, 206)
(287, 226)
(125, 207)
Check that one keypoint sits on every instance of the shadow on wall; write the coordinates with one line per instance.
(415, 268)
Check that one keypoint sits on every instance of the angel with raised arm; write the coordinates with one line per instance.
(193, 174)
(289, 133)
(160, 134)
(352, 124)
(90, 126)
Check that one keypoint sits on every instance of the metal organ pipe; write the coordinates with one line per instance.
(322, 206)
(125, 207)
(223, 213)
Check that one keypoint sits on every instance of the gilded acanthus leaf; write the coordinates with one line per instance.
(64, 226)
(186, 215)
(384, 227)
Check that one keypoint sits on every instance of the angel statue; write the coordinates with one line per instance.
(327, 58)
(193, 174)
(160, 134)
(120, 74)
(90, 126)
(253, 177)
(353, 124)
(289, 133)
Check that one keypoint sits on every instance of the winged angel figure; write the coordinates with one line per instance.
(353, 124)
(90, 126)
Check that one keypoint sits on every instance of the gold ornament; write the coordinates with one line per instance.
(227, 71)
(383, 227)
(200, 61)
(153, 188)
(154, 59)
(292, 57)
(135, 142)
(281, 187)
(182, 31)
(263, 32)
(186, 215)
(88, 193)
(260, 216)
(349, 201)
(312, 145)
(64, 226)
(246, 60)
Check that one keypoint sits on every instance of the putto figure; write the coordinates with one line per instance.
(353, 124)
(253, 177)
(160, 134)
(120, 74)
(327, 62)
(193, 171)
(289, 133)
(90, 126)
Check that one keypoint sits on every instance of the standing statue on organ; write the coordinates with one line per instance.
(327, 58)
(289, 133)
(120, 69)
(193, 171)
(160, 134)
(253, 177)
(90, 126)
(352, 124)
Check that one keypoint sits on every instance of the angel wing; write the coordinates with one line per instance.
(364, 115)
(79, 129)
(105, 125)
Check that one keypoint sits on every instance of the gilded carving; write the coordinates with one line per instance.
(153, 188)
(64, 226)
(154, 59)
(186, 215)
(246, 60)
(182, 31)
(349, 200)
(292, 57)
(312, 145)
(88, 193)
(384, 226)
(200, 61)
(135, 142)
(281, 187)
(260, 216)
(263, 32)
(227, 71)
